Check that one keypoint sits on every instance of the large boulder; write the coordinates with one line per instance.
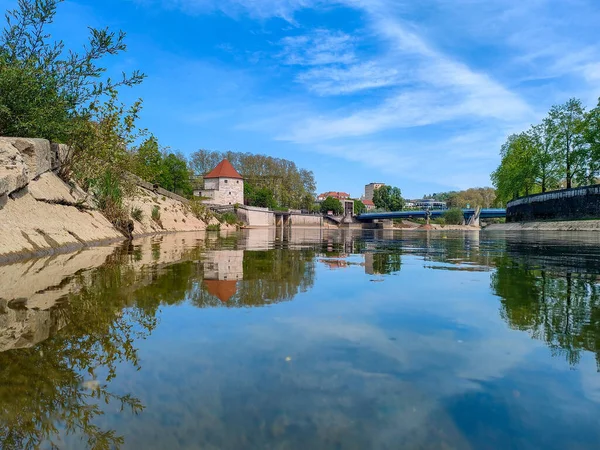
(60, 154)
(14, 173)
(36, 153)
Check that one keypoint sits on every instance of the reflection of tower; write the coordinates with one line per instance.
(222, 270)
(369, 259)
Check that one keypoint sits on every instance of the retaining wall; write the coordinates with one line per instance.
(298, 220)
(256, 217)
(566, 204)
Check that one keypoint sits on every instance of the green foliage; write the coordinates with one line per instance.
(261, 197)
(289, 186)
(213, 227)
(562, 151)
(108, 194)
(473, 197)
(200, 211)
(137, 214)
(388, 198)
(44, 87)
(332, 204)
(229, 218)
(359, 207)
(156, 213)
(148, 161)
(175, 175)
(454, 216)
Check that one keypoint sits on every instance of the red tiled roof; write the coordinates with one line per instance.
(337, 195)
(368, 203)
(224, 170)
(222, 289)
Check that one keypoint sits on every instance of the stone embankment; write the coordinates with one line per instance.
(40, 213)
(567, 225)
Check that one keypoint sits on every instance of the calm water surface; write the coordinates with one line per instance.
(306, 340)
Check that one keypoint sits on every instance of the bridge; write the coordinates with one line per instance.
(489, 213)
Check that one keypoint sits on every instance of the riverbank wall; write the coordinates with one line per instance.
(567, 204)
(41, 214)
(566, 225)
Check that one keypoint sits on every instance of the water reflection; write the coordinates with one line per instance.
(553, 293)
(73, 327)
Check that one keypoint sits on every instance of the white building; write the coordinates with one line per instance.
(223, 186)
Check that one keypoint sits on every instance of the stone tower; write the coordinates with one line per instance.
(223, 185)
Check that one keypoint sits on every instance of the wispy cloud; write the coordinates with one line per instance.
(321, 47)
(347, 80)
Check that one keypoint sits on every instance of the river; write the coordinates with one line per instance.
(305, 339)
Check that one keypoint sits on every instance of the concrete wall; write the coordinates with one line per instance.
(224, 191)
(566, 204)
(256, 217)
(306, 220)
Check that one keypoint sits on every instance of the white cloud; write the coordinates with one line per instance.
(321, 47)
(346, 80)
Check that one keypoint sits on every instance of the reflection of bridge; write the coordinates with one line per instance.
(492, 213)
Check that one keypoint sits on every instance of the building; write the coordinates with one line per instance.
(222, 271)
(370, 190)
(368, 204)
(337, 195)
(222, 186)
(426, 203)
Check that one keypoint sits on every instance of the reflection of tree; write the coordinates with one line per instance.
(562, 309)
(386, 263)
(42, 389)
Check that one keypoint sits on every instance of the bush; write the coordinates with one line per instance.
(156, 215)
(213, 227)
(137, 214)
(229, 218)
(454, 216)
(200, 211)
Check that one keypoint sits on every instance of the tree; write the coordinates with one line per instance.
(359, 207)
(388, 198)
(516, 174)
(567, 121)
(148, 161)
(261, 197)
(44, 86)
(591, 136)
(546, 167)
(175, 175)
(332, 204)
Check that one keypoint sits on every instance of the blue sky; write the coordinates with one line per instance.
(418, 94)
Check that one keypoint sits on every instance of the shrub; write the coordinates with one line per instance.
(454, 216)
(156, 215)
(137, 214)
(200, 211)
(229, 218)
(213, 227)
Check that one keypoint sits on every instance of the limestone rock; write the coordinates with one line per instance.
(36, 154)
(59, 154)
(13, 169)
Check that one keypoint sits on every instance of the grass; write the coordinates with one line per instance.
(156, 215)
(137, 214)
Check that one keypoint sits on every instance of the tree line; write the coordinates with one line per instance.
(562, 151)
(484, 197)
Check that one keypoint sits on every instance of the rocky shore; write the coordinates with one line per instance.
(41, 214)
